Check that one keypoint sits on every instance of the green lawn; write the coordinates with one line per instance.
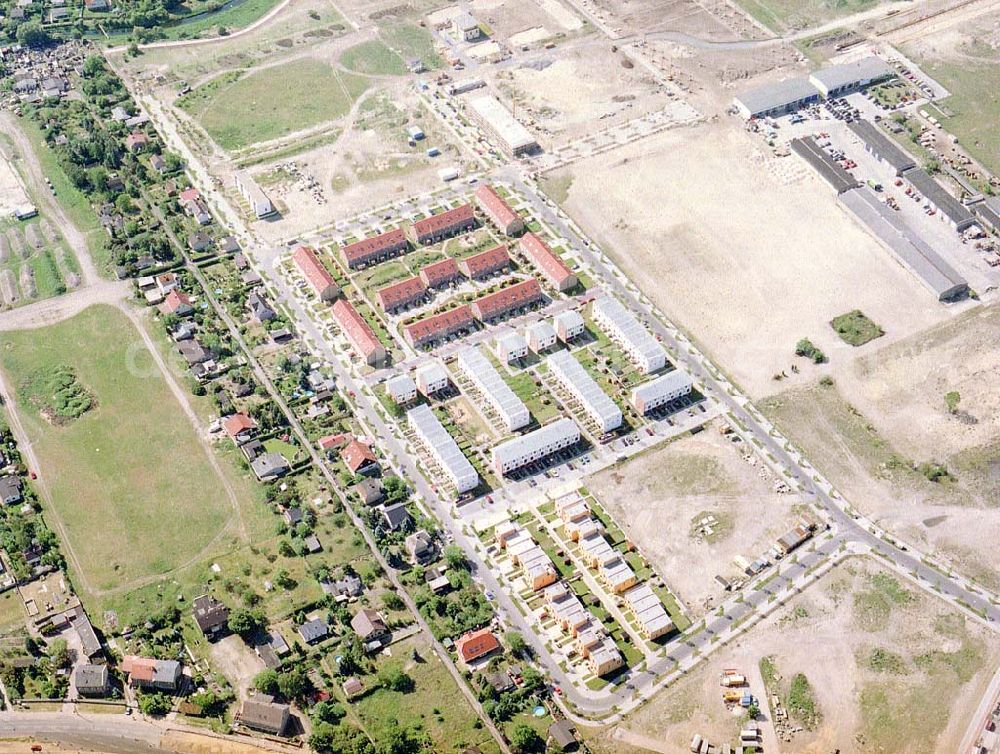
(238, 110)
(855, 328)
(373, 58)
(781, 15)
(412, 42)
(128, 479)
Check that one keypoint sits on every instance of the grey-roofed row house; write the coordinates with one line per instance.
(881, 146)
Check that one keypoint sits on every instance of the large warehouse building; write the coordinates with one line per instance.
(575, 379)
(838, 80)
(443, 448)
(534, 446)
(494, 391)
(497, 121)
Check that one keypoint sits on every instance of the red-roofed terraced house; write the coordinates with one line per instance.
(440, 274)
(437, 327)
(547, 261)
(485, 263)
(499, 212)
(507, 300)
(364, 342)
(401, 295)
(375, 249)
(445, 224)
(318, 277)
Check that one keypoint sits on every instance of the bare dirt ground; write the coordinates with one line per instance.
(579, 88)
(659, 497)
(744, 249)
(507, 18)
(12, 193)
(891, 669)
(237, 662)
(710, 21)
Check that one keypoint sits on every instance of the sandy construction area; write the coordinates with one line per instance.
(891, 669)
(659, 497)
(746, 251)
(12, 193)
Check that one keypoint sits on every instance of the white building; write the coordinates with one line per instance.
(569, 324)
(431, 378)
(402, 389)
(534, 446)
(494, 391)
(465, 27)
(443, 448)
(511, 346)
(651, 395)
(498, 122)
(575, 379)
(619, 324)
(540, 336)
(257, 199)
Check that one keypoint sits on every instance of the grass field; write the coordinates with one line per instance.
(238, 110)
(135, 492)
(780, 15)
(412, 42)
(855, 328)
(373, 59)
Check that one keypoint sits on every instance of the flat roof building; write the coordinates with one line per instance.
(442, 446)
(257, 199)
(595, 402)
(569, 325)
(881, 146)
(820, 160)
(445, 224)
(375, 249)
(619, 324)
(534, 446)
(496, 208)
(838, 80)
(547, 262)
(771, 100)
(438, 327)
(511, 346)
(431, 378)
(649, 396)
(506, 301)
(358, 333)
(312, 269)
(497, 121)
(485, 263)
(494, 391)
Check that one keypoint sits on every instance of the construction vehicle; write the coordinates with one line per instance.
(732, 679)
(732, 696)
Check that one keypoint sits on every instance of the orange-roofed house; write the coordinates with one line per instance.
(445, 224)
(375, 249)
(147, 673)
(358, 457)
(547, 262)
(440, 274)
(318, 277)
(240, 428)
(485, 263)
(361, 337)
(507, 300)
(437, 327)
(475, 645)
(498, 211)
(401, 295)
(178, 303)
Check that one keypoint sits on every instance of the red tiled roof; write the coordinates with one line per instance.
(357, 331)
(175, 299)
(476, 644)
(356, 455)
(401, 293)
(366, 248)
(334, 441)
(310, 266)
(485, 262)
(439, 273)
(238, 423)
(507, 299)
(444, 222)
(139, 668)
(554, 269)
(439, 325)
(494, 205)
(188, 194)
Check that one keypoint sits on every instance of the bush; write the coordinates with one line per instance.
(806, 348)
(155, 705)
(393, 677)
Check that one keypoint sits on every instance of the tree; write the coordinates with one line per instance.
(343, 739)
(395, 489)
(31, 34)
(59, 653)
(951, 400)
(392, 601)
(266, 682)
(516, 643)
(394, 678)
(753, 711)
(293, 684)
(245, 622)
(531, 680)
(327, 712)
(455, 557)
(524, 740)
(155, 704)
(806, 348)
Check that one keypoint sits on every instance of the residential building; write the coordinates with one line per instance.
(465, 27)
(314, 630)
(499, 211)
(568, 325)
(438, 327)
(260, 310)
(439, 274)
(396, 517)
(540, 336)
(370, 491)
(537, 569)
(475, 645)
(510, 300)
(269, 466)
(136, 141)
(596, 404)
(211, 616)
(91, 680)
(260, 712)
(443, 448)
(431, 378)
(353, 688)
(485, 263)
(401, 388)
(318, 277)
(492, 389)
(617, 575)
(511, 346)
(376, 249)
(499, 124)
(619, 324)
(561, 734)
(358, 457)
(535, 446)
(648, 611)
(420, 547)
(369, 626)
(649, 396)
(147, 673)
(240, 428)
(401, 295)
(445, 224)
(10, 489)
(177, 303)
(255, 197)
(547, 262)
(359, 334)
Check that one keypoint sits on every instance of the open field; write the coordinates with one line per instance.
(658, 497)
(238, 110)
(786, 15)
(891, 668)
(128, 481)
(668, 209)
(716, 23)
(374, 59)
